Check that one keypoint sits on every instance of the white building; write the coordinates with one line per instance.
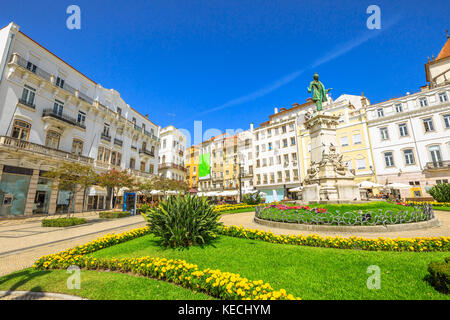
(276, 165)
(50, 112)
(171, 154)
(411, 134)
(246, 161)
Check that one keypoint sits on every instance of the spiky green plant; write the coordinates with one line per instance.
(183, 221)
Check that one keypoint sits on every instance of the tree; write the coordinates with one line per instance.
(73, 177)
(116, 180)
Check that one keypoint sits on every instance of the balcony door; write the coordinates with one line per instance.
(58, 108)
(52, 140)
(435, 155)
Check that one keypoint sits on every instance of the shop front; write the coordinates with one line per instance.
(96, 198)
(14, 187)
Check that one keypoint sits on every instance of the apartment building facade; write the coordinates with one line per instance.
(51, 113)
(276, 157)
(411, 134)
(172, 154)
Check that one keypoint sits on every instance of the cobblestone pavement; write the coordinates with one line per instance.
(23, 243)
(27, 295)
(245, 219)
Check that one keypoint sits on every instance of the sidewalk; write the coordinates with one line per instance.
(23, 243)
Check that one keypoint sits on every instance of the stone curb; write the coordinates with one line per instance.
(30, 295)
(388, 228)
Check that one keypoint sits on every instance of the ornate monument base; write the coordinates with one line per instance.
(328, 179)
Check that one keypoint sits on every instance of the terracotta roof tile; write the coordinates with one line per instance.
(445, 52)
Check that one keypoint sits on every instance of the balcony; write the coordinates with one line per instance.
(24, 146)
(60, 118)
(170, 165)
(105, 137)
(145, 152)
(437, 165)
(27, 104)
(118, 142)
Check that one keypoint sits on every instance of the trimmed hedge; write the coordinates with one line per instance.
(113, 214)
(63, 222)
(440, 274)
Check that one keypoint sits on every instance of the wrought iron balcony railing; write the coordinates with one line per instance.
(445, 164)
(62, 117)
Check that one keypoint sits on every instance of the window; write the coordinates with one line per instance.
(443, 97)
(384, 133)
(380, 112)
(291, 127)
(409, 156)
(447, 121)
(270, 146)
(278, 159)
(403, 129)
(28, 95)
(398, 107)
(428, 124)
(77, 147)
(264, 162)
(142, 167)
(344, 141)
(293, 141)
(106, 130)
(119, 111)
(442, 181)
(60, 82)
(32, 67)
(286, 159)
(295, 171)
(52, 139)
(288, 175)
(283, 129)
(81, 118)
(360, 164)
(58, 107)
(357, 139)
(294, 157)
(435, 154)
(389, 159)
(133, 163)
(423, 102)
(280, 176)
(21, 130)
(113, 157)
(285, 143)
(119, 159)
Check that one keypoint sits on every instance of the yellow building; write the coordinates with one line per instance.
(191, 162)
(352, 136)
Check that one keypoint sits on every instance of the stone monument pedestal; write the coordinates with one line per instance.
(328, 179)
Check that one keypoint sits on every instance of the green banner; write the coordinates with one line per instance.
(204, 170)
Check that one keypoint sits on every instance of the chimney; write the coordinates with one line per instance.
(276, 110)
(251, 127)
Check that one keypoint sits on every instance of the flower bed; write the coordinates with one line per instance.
(358, 243)
(63, 222)
(113, 214)
(394, 214)
(233, 207)
(224, 285)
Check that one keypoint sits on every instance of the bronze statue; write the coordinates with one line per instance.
(319, 93)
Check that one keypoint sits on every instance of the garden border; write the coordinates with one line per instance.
(379, 228)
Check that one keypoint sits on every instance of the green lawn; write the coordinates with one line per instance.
(441, 208)
(310, 273)
(98, 286)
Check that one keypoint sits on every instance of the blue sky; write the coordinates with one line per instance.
(229, 63)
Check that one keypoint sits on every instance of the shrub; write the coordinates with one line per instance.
(183, 221)
(440, 274)
(253, 198)
(143, 208)
(113, 214)
(63, 222)
(441, 192)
